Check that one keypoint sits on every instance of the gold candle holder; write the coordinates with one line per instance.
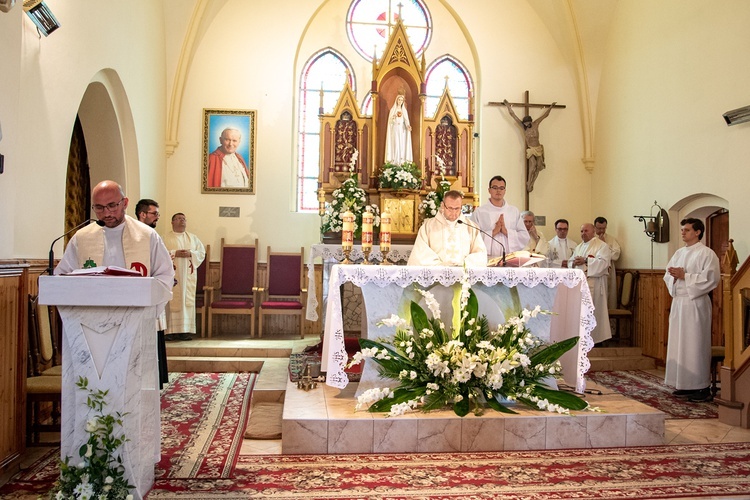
(385, 251)
(347, 251)
(366, 252)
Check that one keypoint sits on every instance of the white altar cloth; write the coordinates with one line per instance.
(331, 254)
(386, 289)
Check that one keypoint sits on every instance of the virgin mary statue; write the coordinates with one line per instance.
(398, 135)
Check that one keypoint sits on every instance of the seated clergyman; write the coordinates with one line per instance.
(447, 239)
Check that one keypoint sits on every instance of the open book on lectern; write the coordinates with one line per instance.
(521, 258)
(104, 271)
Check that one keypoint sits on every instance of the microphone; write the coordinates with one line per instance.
(50, 269)
(485, 233)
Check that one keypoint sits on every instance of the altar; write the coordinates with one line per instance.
(386, 290)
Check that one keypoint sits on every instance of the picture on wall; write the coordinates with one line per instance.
(228, 151)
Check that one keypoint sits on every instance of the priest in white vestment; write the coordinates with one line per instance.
(560, 247)
(187, 253)
(600, 225)
(447, 240)
(592, 255)
(502, 220)
(537, 243)
(692, 272)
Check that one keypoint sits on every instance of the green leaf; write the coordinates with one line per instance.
(400, 395)
(495, 405)
(565, 399)
(419, 317)
(552, 352)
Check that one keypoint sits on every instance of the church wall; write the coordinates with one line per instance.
(262, 73)
(672, 68)
(45, 88)
(517, 53)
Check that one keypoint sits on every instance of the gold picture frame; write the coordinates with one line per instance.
(229, 149)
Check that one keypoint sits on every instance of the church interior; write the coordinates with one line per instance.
(131, 91)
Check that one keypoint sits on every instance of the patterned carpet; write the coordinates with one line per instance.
(689, 471)
(204, 416)
(650, 390)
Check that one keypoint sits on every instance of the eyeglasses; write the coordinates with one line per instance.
(452, 209)
(111, 207)
(561, 229)
(498, 188)
(156, 213)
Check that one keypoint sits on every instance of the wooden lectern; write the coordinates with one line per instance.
(109, 337)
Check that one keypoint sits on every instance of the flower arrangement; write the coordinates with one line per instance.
(100, 474)
(431, 204)
(404, 176)
(470, 366)
(349, 197)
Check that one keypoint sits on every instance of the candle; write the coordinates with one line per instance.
(347, 230)
(385, 231)
(367, 220)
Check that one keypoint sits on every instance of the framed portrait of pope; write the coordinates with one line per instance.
(228, 151)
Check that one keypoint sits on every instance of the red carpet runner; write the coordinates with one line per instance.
(204, 416)
(650, 390)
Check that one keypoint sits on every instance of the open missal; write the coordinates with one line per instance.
(104, 271)
(521, 258)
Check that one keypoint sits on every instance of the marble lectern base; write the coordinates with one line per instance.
(323, 421)
(115, 349)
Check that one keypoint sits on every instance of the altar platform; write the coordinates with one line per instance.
(323, 421)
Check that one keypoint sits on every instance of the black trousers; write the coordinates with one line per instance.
(161, 352)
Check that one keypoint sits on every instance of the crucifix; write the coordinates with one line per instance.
(530, 128)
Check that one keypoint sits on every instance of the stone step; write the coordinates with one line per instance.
(218, 364)
(185, 349)
(621, 363)
(615, 351)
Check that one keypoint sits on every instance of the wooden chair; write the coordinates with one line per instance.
(625, 303)
(236, 292)
(284, 291)
(44, 376)
(200, 293)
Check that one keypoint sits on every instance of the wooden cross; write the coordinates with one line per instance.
(526, 105)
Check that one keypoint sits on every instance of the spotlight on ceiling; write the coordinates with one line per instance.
(739, 115)
(43, 18)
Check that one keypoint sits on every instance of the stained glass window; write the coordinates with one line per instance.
(448, 69)
(326, 70)
(369, 24)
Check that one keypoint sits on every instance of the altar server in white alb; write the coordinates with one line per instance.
(187, 253)
(592, 255)
(444, 241)
(502, 220)
(560, 247)
(692, 273)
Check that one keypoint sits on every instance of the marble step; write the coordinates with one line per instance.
(218, 364)
(202, 350)
(619, 358)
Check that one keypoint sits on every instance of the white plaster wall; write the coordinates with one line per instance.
(50, 81)
(672, 68)
(242, 64)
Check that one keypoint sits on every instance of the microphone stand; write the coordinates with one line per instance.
(50, 269)
(459, 221)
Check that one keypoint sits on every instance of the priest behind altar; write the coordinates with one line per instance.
(592, 256)
(502, 220)
(447, 240)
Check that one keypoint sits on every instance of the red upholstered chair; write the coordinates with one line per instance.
(236, 292)
(284, 291)
(200, 293)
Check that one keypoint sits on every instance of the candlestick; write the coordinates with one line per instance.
(385, 236)
(347, 231)
(367, 220)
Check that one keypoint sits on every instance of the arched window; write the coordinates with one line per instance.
(326, 70)
(459, 84)
(369, 24)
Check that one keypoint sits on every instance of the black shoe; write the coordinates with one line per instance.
(684, 392)
(171, 337)
(701, 396)
(184, 336)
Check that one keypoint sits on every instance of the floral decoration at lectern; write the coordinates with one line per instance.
(470, 366)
